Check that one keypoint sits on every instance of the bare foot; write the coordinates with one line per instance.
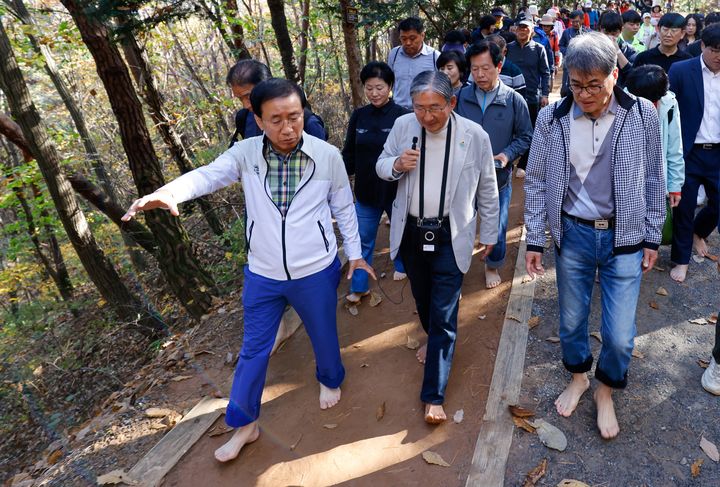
(570, 397)
(241, 437)
(606, 419)
(492, 277)
(328, 397)
(700, 245)
(434, 414)
(355, 298)
(679, 272)
(421, 354)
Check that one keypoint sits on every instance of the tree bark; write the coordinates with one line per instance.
(238, 35)
(93, 155)
(304, 30)
(352, 52)
(279, 24)
(96, 264)
(187, 279)
(141, 71)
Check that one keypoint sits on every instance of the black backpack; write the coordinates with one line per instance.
(241, 121)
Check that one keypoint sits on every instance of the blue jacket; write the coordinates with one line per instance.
(686, 81)
(637, 178)
(506, 119)
(541, 38)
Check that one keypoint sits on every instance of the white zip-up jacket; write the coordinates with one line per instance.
(303, 242)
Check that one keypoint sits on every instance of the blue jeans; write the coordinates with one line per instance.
(368, 222)
(435, 281)
(496, 259)
(314, 297)
(584, 251)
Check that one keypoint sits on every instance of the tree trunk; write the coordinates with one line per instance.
(78, 118)
(338, 68)
(238, 35)
(304, 30)
(279, 24)
(352, 52)
(96, 264)
(140, 68)
(188, 280)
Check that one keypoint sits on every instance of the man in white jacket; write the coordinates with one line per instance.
(444, 164)
(294, 185)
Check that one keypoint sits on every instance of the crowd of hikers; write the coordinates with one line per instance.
(613, 170)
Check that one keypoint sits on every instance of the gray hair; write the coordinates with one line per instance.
(591, 52)
(435, 81)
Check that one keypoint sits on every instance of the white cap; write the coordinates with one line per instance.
(533, 10)
(646, 15)
(552, 11)
(588, 4)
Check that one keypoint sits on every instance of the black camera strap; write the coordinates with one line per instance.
(446, 165)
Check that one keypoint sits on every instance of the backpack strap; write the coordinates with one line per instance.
(240, 123)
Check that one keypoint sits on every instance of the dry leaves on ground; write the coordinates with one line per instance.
(521, 412)
(375, 299)
(220, 430)
(482, 317)
(713, 319)
(710, 449)
(352, 309)
(330, 426)
(572, 483)
(703, 363)
(434, 459)
(712, 257)
(178, 378)
(695, 467)
(536, 474)
(380, 412)
(412, 344)
(533, 322)
(458, 416)
(699, 321)
(523, 424)
(514, 318)
(294, 445)
(550, 435)
(597, 335)
(637, 354)
(698, 258)
(661, 291)
(116, 477)
(654, 305)
(552, 339)
(158, 412)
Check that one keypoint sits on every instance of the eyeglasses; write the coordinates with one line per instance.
(670, 30)
(591, 90)
(433, 110)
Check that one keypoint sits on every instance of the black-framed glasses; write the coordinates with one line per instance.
(591, 90)
(433, 110)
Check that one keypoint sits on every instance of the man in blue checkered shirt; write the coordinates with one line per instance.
(595, 175)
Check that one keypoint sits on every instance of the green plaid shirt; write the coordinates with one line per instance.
(284, 174)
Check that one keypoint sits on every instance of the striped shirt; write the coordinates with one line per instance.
(284, 174)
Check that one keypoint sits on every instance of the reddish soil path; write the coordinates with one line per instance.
(362, 450)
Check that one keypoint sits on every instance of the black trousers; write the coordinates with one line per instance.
(533, 108)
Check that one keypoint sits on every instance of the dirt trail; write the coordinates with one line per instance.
(360, 449)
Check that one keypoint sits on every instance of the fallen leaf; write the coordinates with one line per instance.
(202, 352)
(699, 259)
(412, 344)
(357, 346)
(380, 412)
(221, 431)
(695, 467)
(482, 317)
(158, 412)
(596, 335)
(712, 257)
(115, 477)
(703, 363)
(571, 483)
(521, 412)
(514, 318)
(710, 449)
(658, 268)
(713, 319)
(362, 366)
(637, 354)
(229, 358)
(294, 445)
(661, 291)
(550, 435)
(178, 378)
(653, 305)
(330, 426)
(535, 474)
(434, 459)
(375, 299)
(552, 339)
(533, 322)
(352, 310)
(53, 458)
(699, 321)
(526, 279)
(458, 416)
(523, 424)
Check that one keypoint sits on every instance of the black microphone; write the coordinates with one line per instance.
(414, 146)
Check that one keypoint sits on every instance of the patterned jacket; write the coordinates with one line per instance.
(638, 183)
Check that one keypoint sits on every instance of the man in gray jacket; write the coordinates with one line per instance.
(503, 113)
(444, 166)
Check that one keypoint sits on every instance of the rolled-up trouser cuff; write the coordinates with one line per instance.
(579, 368)
(605, 379)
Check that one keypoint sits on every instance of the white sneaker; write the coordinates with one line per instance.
(520, 173)
(399, 276)
(711, 378)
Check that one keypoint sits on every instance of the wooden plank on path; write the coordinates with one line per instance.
(151, 469)
(493, 443)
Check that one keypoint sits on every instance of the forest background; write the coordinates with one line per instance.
(103, 101)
